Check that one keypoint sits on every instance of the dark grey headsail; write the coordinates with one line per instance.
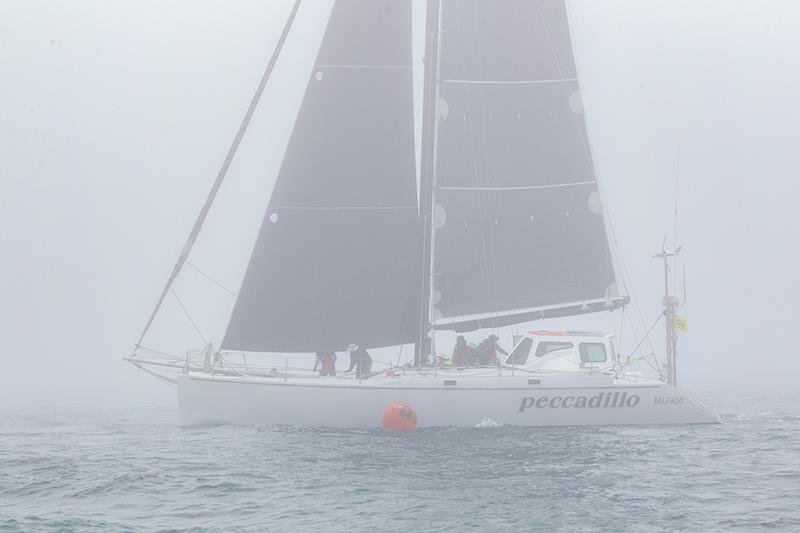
(520, 233)
(337, 257)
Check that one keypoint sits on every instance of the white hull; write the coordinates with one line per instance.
(448, 398)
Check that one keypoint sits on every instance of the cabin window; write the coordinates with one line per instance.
(593, 352)
(520, 354)
(545, 348)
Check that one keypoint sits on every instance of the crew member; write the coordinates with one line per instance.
(326, 362)
(360, 360)
(488, 349)
(463, 353)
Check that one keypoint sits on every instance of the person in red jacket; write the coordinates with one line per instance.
(463, 353)
(488, 349)
(326, 362)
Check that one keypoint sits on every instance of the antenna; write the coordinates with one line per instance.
(685, 298)
(677, 190)
(675, 212)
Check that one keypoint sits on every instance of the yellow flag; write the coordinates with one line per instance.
(680, 323)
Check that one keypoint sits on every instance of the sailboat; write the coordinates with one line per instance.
(502, 225)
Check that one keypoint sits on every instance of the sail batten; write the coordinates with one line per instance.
(339, 208)
(521, 187)
(512, 82)
(388, 67)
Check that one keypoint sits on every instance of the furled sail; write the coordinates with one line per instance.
(519, 228)
(337, 257)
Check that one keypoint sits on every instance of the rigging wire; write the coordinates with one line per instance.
(399, 355)
(647, 335)
(632, 292)
(223, 171)
(653, 366)
(163, 354)
(212, 280)
(186, 312)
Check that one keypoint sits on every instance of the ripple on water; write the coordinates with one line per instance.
(102, 470)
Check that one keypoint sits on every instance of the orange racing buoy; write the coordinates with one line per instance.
(399, 417)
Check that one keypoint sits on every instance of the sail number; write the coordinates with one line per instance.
(667, 400)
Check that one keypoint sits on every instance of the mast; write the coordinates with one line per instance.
(428, 177)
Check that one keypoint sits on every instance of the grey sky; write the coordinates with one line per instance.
(114, 118)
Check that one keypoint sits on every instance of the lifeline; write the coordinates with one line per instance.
(604, 400)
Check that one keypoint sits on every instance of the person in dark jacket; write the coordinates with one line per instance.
(488, 349)
(360, 360)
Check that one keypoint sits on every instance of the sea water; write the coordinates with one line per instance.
(83, 468)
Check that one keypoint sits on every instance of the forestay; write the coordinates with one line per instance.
(519, 228)
(337, 257)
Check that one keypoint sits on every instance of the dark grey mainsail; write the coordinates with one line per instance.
(337, 257)
(519, 229)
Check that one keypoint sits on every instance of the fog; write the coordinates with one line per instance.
(114, 118)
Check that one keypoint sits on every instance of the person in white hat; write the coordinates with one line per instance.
(360, 360)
